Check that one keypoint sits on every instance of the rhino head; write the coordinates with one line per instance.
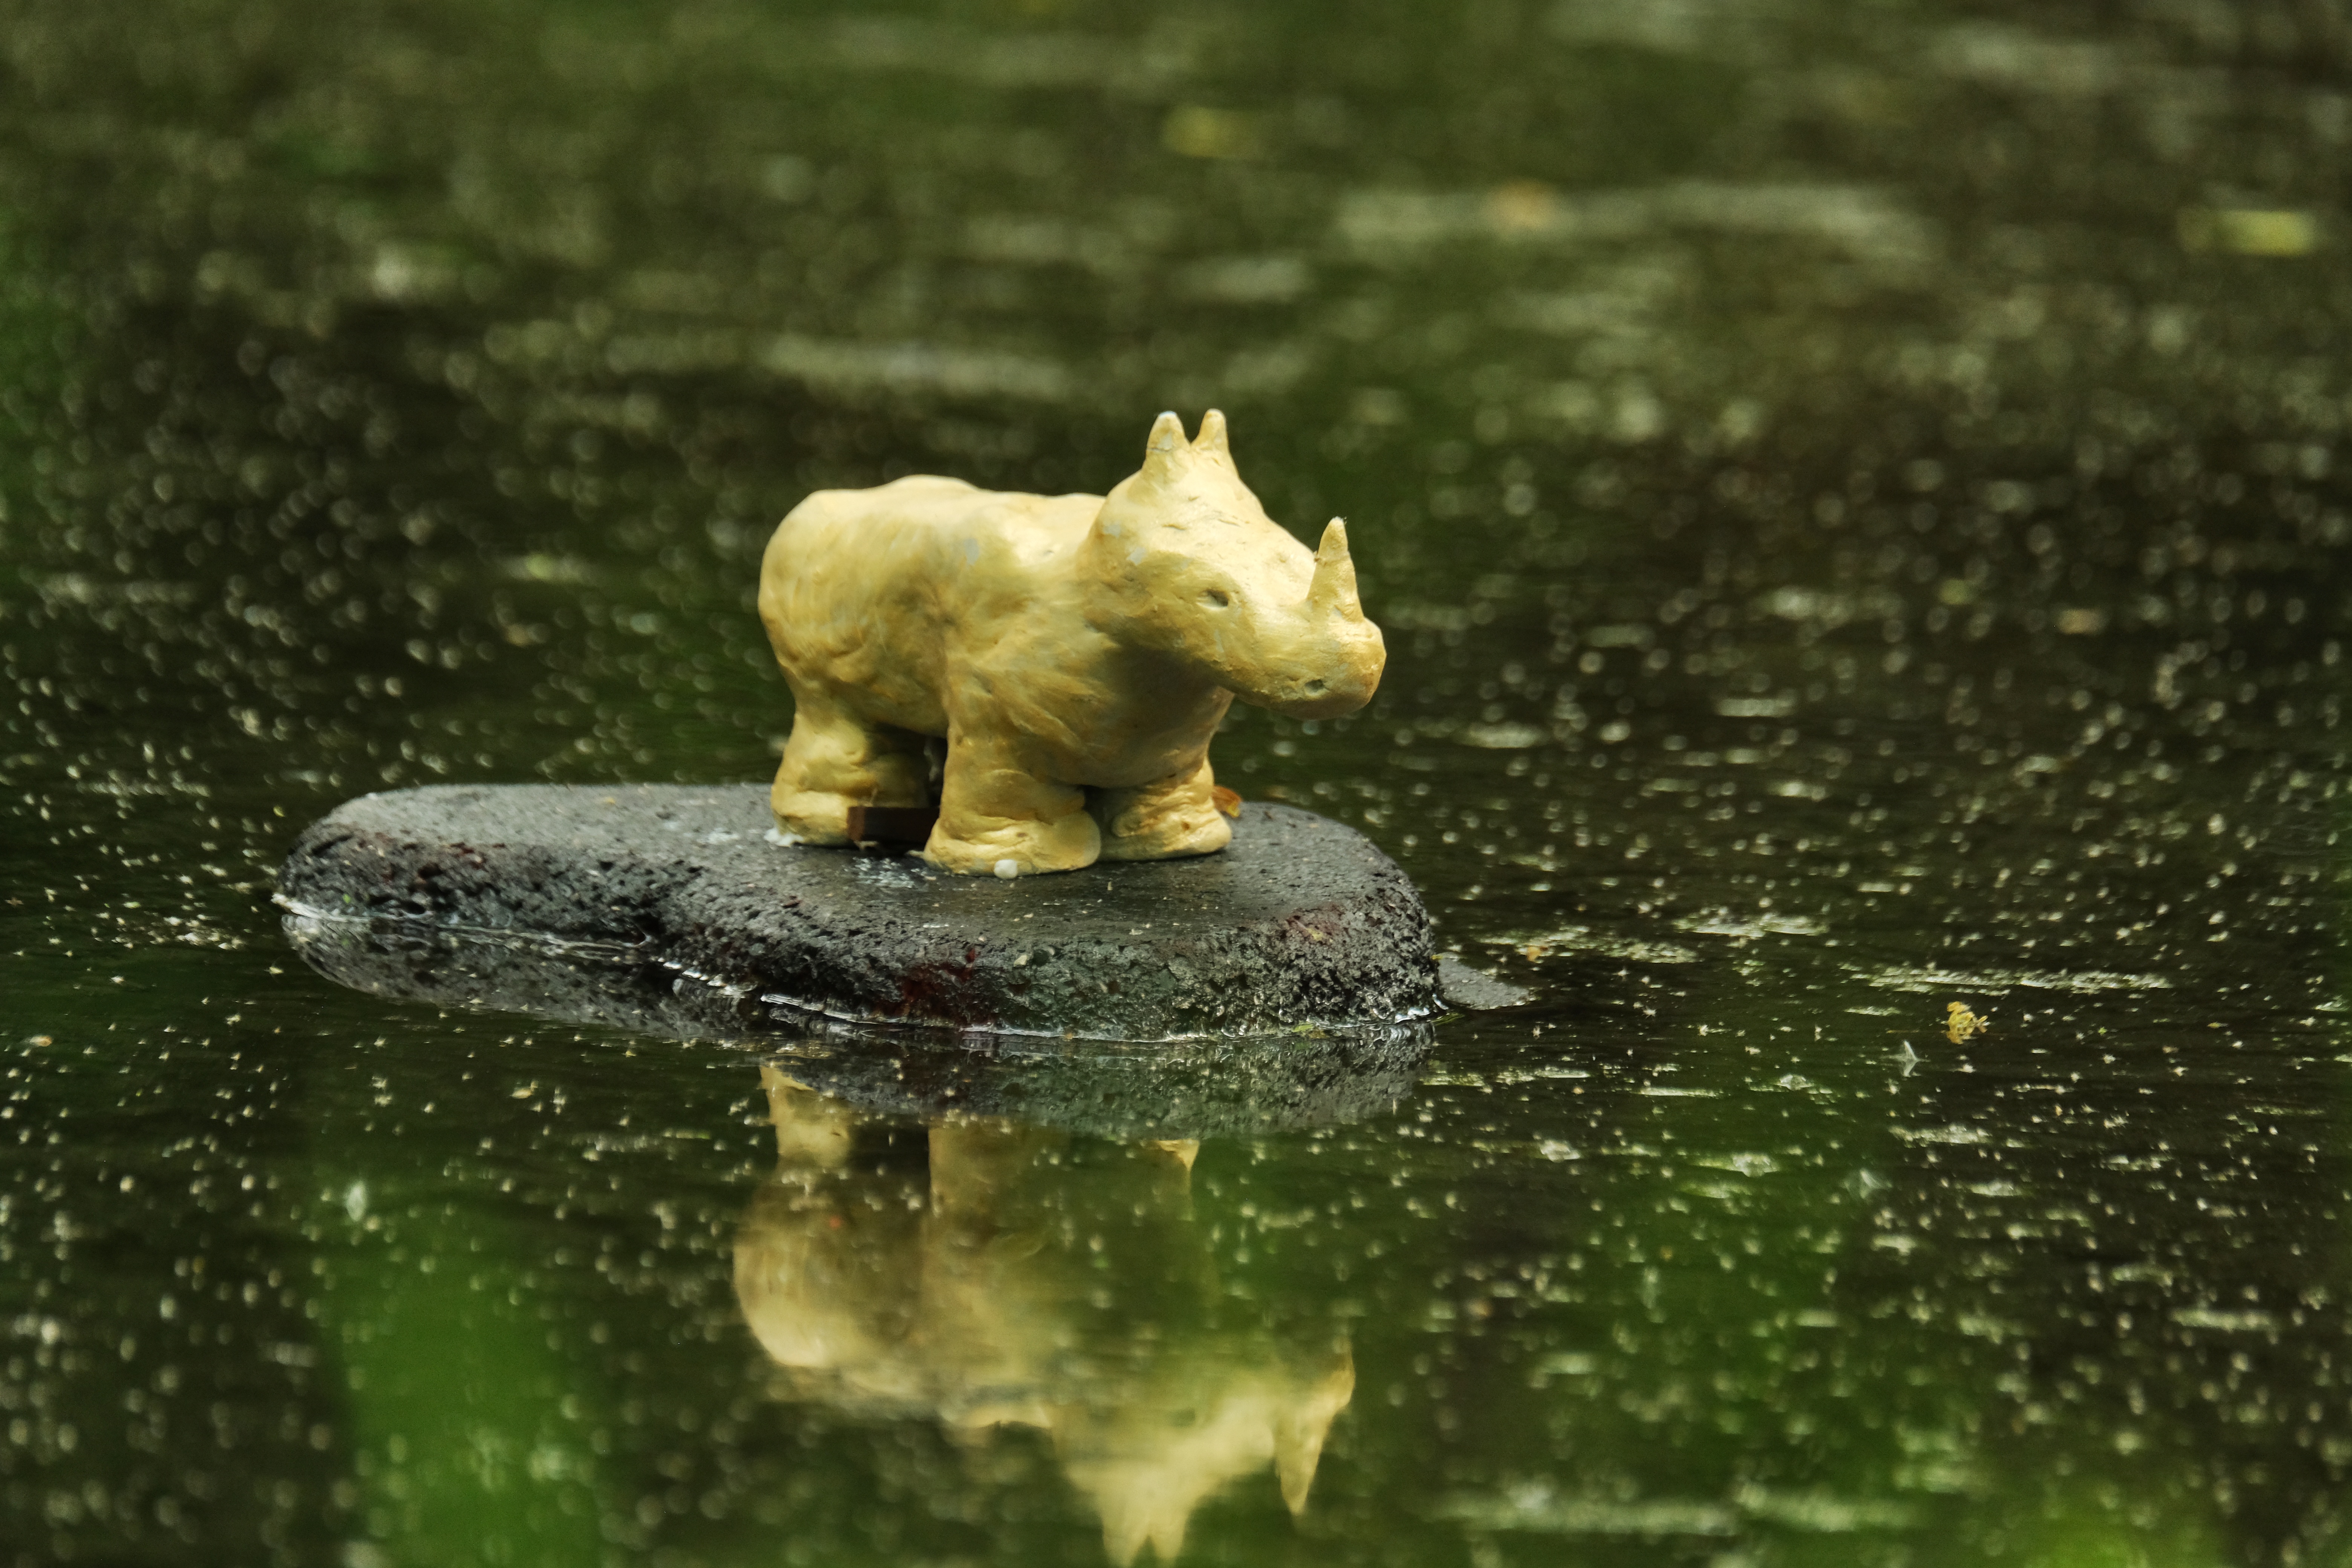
(1188, 563)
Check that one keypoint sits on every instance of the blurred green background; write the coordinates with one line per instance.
(1851, 494)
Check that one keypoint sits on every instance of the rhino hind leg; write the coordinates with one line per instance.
(1163, 820)
(992, 810)
(833, 761)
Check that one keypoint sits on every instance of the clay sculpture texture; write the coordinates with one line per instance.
(1076, 652)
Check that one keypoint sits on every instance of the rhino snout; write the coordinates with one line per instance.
(1340, 687)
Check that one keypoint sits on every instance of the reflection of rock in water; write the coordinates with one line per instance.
(1166, 1088)
(1022, 1280)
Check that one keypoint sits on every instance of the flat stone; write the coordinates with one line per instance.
(1300, 923)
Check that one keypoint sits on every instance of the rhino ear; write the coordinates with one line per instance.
(1212, 438)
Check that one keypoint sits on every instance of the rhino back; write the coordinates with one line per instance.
(863, 591)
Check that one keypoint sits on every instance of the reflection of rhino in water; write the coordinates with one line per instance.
(980, 1297)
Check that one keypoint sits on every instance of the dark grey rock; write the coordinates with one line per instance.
(1474, 990)
(1182, 1089)
(1300, 923)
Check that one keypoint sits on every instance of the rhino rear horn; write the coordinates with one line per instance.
(1212, 438)
(1333, 586)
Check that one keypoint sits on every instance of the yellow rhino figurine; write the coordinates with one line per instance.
(1075, 652)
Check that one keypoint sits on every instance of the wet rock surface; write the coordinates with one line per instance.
(1300, 923)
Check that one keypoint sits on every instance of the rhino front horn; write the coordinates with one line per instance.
(1334, 584)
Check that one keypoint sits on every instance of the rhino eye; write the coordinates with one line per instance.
(1215, 599)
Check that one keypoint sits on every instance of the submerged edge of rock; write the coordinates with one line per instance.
(1301, 922)
(1112, 1088)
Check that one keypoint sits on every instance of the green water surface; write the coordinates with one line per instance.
(1851, 494)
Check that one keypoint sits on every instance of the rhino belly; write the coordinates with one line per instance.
(1106, 738)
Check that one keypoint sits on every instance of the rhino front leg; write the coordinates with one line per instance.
(992, 810)
(1162, 820)
(813, 1131)
(833, 761)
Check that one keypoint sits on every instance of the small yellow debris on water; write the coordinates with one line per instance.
(1523, 206)
(1196, 131)
(1960, 1023)
(2252, 231)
